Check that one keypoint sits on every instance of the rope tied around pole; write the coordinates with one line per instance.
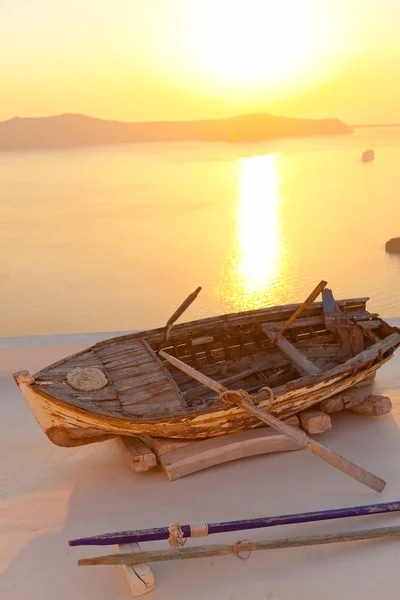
(236, 549)
(227, 396)
(176, 539)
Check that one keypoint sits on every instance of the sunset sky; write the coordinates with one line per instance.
(185, 59)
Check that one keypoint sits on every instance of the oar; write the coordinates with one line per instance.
(314, 294)
(162, 533)
(133, 558)
(297, 435)
(179, 311)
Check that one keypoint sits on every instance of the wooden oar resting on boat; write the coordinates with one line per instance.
(179, 311)
(238, 547)
(313, 296)
(163, 533)
(242, 400)
(127, 386)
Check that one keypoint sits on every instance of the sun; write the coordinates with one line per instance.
(250, 46)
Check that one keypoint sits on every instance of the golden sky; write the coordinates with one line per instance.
(185, 59)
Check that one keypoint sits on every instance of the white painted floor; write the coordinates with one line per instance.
(49, 495)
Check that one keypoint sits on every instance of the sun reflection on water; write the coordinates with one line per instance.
(257, 256)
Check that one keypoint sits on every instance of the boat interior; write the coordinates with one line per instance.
(236, 350)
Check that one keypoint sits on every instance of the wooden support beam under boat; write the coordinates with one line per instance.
(291, 352)
(337, 461)
(202, 454)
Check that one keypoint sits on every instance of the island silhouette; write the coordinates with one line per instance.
(74, 130)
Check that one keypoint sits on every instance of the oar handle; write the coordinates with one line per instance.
(185, 305)
(314, 294)
(162, 533)
(341, 463)
(345, 465)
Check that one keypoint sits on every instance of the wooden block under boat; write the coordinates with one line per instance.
(315, 421)
(373, 406)
(137, 454)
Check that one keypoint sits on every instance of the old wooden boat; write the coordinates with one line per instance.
(125, 386)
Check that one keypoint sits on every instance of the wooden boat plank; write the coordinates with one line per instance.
(371, 324)
(356, 340)
(160, 401)
(291, 352)
(107, 403)
(106, 393)
(332, 313)
(60, 372)
(332, 351)
(56, 376)
(190, 458)
(132, 352)
(316, 341)
(141, 380)
(128, 360)
(119, 346)
(128, 371)
(148, 409)
(159, 392)
(143, 393)
(174, 387)
(87, 359)
(104, 407)
(135, 382)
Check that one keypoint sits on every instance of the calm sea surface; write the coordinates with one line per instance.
(115, 238)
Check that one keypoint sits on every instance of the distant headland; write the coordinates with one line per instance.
(71, 130)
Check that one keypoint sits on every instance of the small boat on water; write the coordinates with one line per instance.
(295, 355)
(368, 155)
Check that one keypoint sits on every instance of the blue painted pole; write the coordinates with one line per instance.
(162, 533)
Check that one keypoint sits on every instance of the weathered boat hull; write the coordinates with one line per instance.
(142, 395)
(70, 427)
